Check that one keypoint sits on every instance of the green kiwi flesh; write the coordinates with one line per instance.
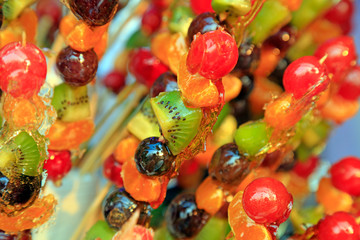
(179, 124)
(71, 103)
(144, 124)
(13, 8)
(27, 154)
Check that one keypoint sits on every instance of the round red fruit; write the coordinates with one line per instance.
(345, 175)
(145, 67)
(201, 6)
(349, 88)
(339, 226)
(58, 164)
(151, 20)
(112, 171)
(341, 13)
(304, 169)
(213, 54)
(267, 201)
(340, 54)
(114, 81)
(305, 76)
(22, 68)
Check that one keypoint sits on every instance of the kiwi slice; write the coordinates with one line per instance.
(100, 230)
(144, 124)
(213, 230)
(238, 7)
(21, 152)
(179, 124)
(71, 103)
(13, 8)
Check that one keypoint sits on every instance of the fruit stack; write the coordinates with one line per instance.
(241, 97)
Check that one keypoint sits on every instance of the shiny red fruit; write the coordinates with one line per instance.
(341, 54)
(22, 68)
(339, 226)
(345, 175)
(304, 169)
(112, 171)
(201, 6)
(58, 164)
(151, 20)
(341, 13)
(305, 75)
(213, 54)
(115, 81)
(267, 201)
(349, 88)
(49, 8)
(161, 4)
(145, 67)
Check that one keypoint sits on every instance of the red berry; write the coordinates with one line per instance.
(151, 20)
(349, 88)
(22, 68)
(112, 171)
(58, 164)
(339, 226)
(341, 13)
(267, 201)
(115, 81)
(341, 54)
(345, 175)
(145, 67)
(213, 54)
(305, 75)
(304, 169)
(49, 8)
(161, 4)
(201, 6)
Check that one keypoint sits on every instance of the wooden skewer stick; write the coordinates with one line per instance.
(93, 155)
(93, 208)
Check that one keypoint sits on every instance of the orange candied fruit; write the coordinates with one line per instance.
(292, 5)
(269, 58)
(177, 48)
(232, 86)
(160, 44)
(35, 215)
(241, 225)
(197, 90)
(332, 199)
(21, 112)
(283, 112)
(140, 187)
(209, 196)
(339, 109)
(126, 148)
(323, 30)
(67, 24)
(69, 135)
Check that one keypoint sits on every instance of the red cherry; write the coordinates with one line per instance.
(151, 20)
(22, 68)
(112, 171)
(58, 164)
(345, 175)
(115, 81)
(161, 4)
(145, 67)
(304, 169)
(349, 88)
(213, 54)
(49, 8)
(267, 201)
(341, 54)
(305, 75)
(201, 6)
(341, 13)
(339, 226)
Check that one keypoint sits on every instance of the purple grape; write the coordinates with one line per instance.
(249, 57)
(77, 68)
(203, 23)
(167, 82)
(94, 12)
(283, 39)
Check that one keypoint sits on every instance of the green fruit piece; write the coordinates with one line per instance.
(162, 234)
(303, 152)
(272, 16)
(316, 134)
(179, 123)
(308, 11)
(304, 46)
(27, 154)
(137, 40)
(71, 103)
(100, 230)
(224, 112)
(144, 124)
(252, 138)
(7, 157)
(181, 19)
(305, 216)
(13, 8)
(215, 229)
(237, 7)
